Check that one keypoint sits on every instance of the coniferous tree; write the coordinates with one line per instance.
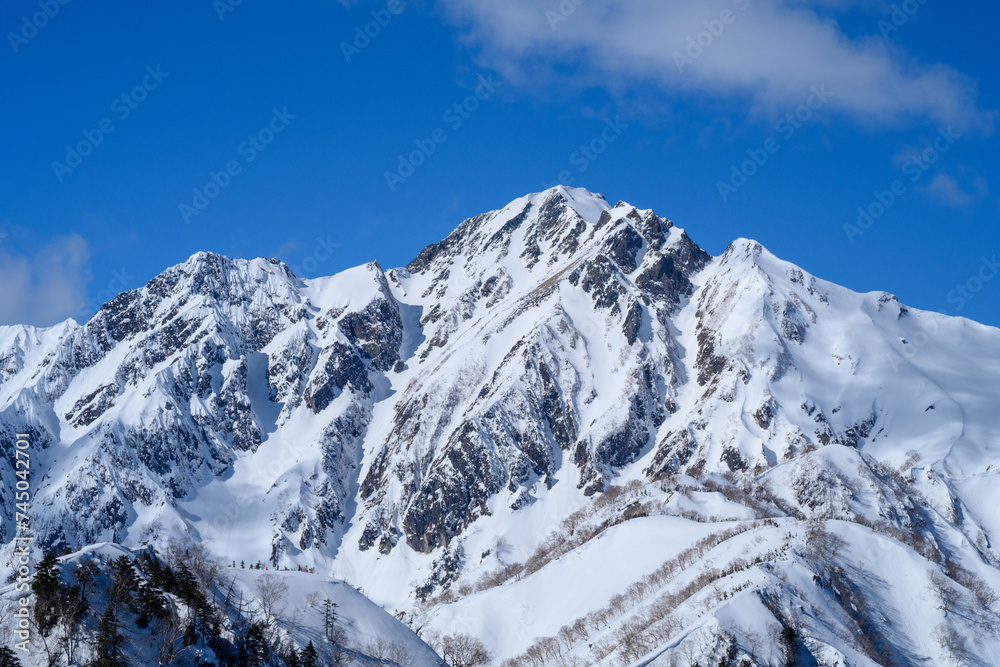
(148, 604)
(329, 620)
(73, 605)
(256, 650)
(207, 621)
(190, 634)
(109, 641)
(309, 658)
(45, 587)
(189, 590)
(187, 584)
(148, 565)
(8, 658)
(86, 574)
(124, 581)
(170, 578)
(167, 579)
(153, 567)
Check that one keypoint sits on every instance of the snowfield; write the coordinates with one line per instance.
(237, 592)
(565, 430)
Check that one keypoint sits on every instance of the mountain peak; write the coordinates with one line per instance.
(550, 230)
(746, 247)
(393, 424)
(212, 262)
(588, 205)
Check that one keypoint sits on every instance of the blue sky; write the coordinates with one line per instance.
(299, 119)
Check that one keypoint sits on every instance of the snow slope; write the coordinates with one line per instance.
(391, 427)
(236, 595)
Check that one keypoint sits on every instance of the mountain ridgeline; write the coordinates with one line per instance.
(507, 378)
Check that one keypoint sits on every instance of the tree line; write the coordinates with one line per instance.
(178, 609)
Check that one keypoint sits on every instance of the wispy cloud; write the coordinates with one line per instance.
(947, 190)
(766, 56)
(46, 287)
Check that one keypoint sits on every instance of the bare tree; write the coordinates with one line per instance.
(292, 624)
(567, 637)
(550, 647)
(383, 650)
(598, 619)
(168, 639)
(822, 546)
(6, 614)
(272, 590)
(949, 595)
(982, 591)
(198, 559)
(753, 644)
(49, 645)
(336, 655)
(618, 604)
(691, 652)
(912, 459)
(986, 595)
(462, 650)
(631, 645)
(87, 573)
(952, 642)
(71, 611)
(398, 654)
(503, 547)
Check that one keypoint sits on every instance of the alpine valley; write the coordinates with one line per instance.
(564, 435)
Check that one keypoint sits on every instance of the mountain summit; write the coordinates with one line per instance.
(563, 390)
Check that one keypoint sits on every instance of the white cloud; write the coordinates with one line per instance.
(946, 190)
(45, 288)
(769, 55)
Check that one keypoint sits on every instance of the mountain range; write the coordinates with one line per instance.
(565, 429)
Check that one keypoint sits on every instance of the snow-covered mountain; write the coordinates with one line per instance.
(237, 598)
(560, 401)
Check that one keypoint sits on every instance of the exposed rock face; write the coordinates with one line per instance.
(546, 348)
(480, 420)
(168, 386)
